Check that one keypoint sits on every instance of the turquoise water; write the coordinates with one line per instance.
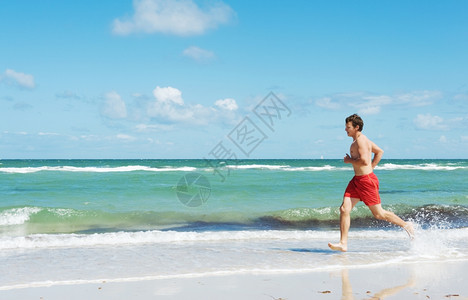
(45, 196)
(110, 219)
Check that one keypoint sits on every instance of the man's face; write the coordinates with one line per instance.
(350, 129)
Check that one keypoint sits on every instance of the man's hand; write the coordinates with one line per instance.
(377, 155)
(347, 159)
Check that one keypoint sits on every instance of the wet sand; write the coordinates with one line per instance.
(431, 280)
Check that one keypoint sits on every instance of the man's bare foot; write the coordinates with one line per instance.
(338, 247)
(409, 227)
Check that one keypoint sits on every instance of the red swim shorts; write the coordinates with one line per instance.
(365, 188)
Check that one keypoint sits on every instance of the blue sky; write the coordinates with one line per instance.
(176, 79)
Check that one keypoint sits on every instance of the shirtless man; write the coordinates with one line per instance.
(364, 186)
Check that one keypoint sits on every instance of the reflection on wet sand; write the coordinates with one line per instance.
(347, 289)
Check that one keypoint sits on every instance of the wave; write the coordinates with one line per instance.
(257, 166)
(286, 167)
(426, 167)
(17, 216)
(201, 165)
(24, 170)
(36, 220)
(170, 236)
(142, 237)
(337, 165)
(440, 216)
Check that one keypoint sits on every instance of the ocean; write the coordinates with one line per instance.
(78, 221)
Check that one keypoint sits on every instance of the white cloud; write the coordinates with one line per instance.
(227, 104)
(166, 109)
(17, 132)
(418, 98)
(367, 104)
(378, 100)
(178, 17)
(430, 122)
(169, 106)
(168, 95)
(114, 107)
(19, 79)
(198, 54)
(327, 103)
(87, 137)
(153, 127)
(48, 134)
(369, 109)
(443, 139)
(372, 105)
(125, 137)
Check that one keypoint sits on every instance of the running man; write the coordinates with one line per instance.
(364, 186)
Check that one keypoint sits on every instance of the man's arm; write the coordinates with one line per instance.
(378, 152)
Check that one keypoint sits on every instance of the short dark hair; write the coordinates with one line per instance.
(356, 120)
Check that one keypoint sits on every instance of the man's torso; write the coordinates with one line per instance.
(366, 145)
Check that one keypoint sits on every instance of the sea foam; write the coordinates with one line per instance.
(426, 167)
(17, 216)
(157, 236)
(25, 170)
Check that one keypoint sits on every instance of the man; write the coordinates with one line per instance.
(364, 186)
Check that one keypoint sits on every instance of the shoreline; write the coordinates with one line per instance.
(437, 280)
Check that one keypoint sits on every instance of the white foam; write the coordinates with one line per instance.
(427, 167)
(257, 166)
(323, 168)
(25, 170)
(17, 216)
(284, 167)
(225, 253)
(133, 168)
(436, 243)
(156, 236)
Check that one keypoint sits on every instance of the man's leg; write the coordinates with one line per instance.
(382, 214)
(345, 222)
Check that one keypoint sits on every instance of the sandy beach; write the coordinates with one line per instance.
(432, 280)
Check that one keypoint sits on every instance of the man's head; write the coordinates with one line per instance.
(355, 121)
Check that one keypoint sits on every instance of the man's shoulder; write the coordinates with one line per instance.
(363, 139)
